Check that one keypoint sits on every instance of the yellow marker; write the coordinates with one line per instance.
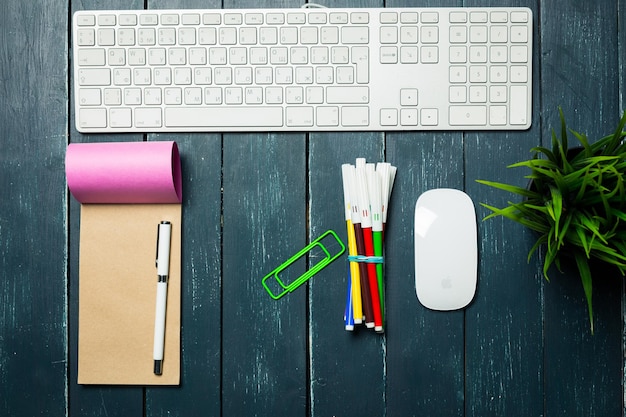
(357, 306)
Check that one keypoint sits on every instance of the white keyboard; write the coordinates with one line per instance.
(303, 69)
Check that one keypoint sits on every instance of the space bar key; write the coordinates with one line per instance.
(223, 116)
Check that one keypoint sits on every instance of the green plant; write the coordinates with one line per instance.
(575, 202)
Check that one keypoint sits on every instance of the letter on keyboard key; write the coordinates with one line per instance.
(224, 117)
(468, 115)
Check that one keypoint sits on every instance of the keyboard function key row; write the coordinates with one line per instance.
(196, 19)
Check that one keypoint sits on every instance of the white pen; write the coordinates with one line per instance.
(164, 235)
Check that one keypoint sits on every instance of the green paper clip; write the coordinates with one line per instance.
(328, 258)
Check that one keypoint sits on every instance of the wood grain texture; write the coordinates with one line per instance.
(580, 72)
(503, 327)
(347, 368)
(425, 349)
(264, 364)
(264, 341)
(33, 131)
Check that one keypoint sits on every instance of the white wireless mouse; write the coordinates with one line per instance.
(446, 249)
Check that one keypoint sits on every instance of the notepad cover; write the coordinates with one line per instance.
(117, 294)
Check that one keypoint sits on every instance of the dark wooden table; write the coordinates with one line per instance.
(523, 347)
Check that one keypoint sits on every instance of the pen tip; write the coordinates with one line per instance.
(158, 367)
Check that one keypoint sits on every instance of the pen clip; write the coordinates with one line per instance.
(156, 255)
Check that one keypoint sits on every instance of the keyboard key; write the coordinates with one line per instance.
(360, 57)
(355, 116)
(409, 17)
(497, 115)
(85, 20)
(388, 117)
(265, 116)
(518, 100)
(94, 76)
(86, 37)
(328, 116)
(468, 115)
(519, 17)
(359, 18)
(429, 54)
(148, 117)
(190, 19)
(89, 96)
(354, 35)
(169, 19)
(389, 17)
(347, 95)
(408, 117)
(430, 17)
(388, 54)
(107, 20)
(120, 117)
(429, 117)
(92, 118)
(128, 20)
(408, 97)
(148, 19)
(299, 116)
(338, 18)
(91, 57)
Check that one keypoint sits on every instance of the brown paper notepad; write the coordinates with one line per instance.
(117, 294)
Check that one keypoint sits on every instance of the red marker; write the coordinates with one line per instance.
(368, 243)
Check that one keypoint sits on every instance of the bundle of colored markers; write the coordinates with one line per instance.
(366, 189)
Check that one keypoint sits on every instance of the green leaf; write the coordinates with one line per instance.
(547, 152)
(557, 209)
(585, 142)
(507, 187)
(585, 277)
(616, 138)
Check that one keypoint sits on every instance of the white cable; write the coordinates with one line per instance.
(312, 6)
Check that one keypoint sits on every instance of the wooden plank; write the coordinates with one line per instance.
(580, 71)
(347, 368)
(93, 400)
(199, 393)
(264, 365)
(425, 349)
(33, 120)
(503, 326)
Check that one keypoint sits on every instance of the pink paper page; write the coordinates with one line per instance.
(124, 172)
